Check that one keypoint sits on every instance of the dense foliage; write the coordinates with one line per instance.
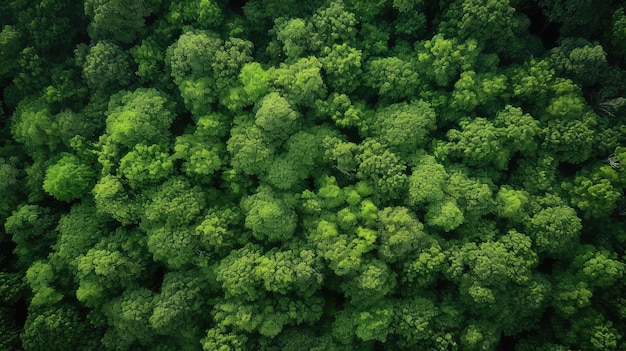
(313, 175)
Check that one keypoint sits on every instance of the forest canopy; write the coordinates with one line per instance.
(212, 175)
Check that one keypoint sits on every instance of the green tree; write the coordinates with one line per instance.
(269, 217)
(301, 81)
(127, 316)
(69, 178)
(342, 67)
(174, 203)
(399, 234)
(34, 125)
(140, 116)
(393, 78)
(404, 127)
(118, 21)
(106, 67)
(112, 199)
(116, 262)
(56, 328)
(145, 165)
(555, 230)
(31, 228)
(383, 168)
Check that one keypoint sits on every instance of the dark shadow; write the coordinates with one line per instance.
(541, 26)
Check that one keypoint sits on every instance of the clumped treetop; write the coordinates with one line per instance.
(312, 175)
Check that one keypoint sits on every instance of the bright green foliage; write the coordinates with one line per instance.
(251, 149)
(342, 66)
(149, 57)
(593, 194)
(34, 125)
(118, 20)
(304, 151)
(200, 13)
(144, 165)
(367, 324)
(512, 204)
(175, 202)
(442, 60)
(114, 263)
(79, 230)
(141, 116)
(571, 141)
(111, 199)
(491, 22)
(592, 331)
(301, 81)
(404, 127)
(399, 233)
(290, 271)
(176, 247)
(268, 316)
(237, 274)
(216, 231)
(229, 61)
(555, 230)
(312, 175)
(221, 339)
(478, 144)
(332, 25)
(499, 281)
(202, 152)
(427, 267)
(599, 268)
(383, 169)
(479, 336)
(255, 80)
(427, 181)
(294, 36)
(415, 320)
(190, 60)
(128, 316)
(473, 90)
(532, 81)
(68, 179)
(39, 276)
(519, 130)
(343, 154)
(106, 67)
(276, 117)
(370, 284)
(342, 111)
(392, 77)
(445, 215)
(473, 195)
(571, 295)
(343, 252)
(269, 217)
